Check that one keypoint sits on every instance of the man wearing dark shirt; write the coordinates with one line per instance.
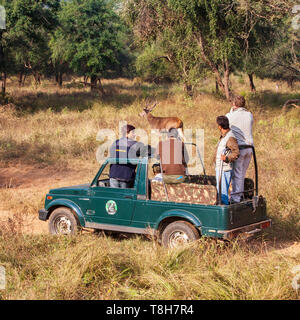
(122, 173)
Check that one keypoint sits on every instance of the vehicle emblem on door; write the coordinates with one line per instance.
(111, 207)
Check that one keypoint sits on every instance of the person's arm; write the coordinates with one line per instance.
(147, 150)
(185, 155)
(251, 129)
(139, 149)
(112, 150)
(157, 151)
(234, 148)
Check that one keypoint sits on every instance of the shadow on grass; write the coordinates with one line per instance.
(274, 100)
(285, 229)
(121, 236)
(30, 103)
(117, 95)
(260, 99)
(11, 150)
(122, 93)
(44, 153)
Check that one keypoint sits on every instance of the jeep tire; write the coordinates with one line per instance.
(63, 222)
(178, 233)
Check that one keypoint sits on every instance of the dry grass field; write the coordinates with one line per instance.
(48, 139)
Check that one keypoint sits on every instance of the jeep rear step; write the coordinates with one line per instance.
(250, 229)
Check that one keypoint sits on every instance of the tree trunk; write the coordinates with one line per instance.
(217, 87)
(100, 86)
(290, 83)
(24, 78)
(21, 79)
(223, 85)
(2, 65)
(60, 79)
(94, 81)
(3, 85)
(85, 80)
(37, 78)
(188, 88)
(227, 89)
(252, 86)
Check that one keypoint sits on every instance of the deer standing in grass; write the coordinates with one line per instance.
(162, 123)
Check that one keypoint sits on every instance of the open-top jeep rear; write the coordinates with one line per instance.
(175, 213)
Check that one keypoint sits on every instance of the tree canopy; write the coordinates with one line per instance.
(221, 36)
(160, 40)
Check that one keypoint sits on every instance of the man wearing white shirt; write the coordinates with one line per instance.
(241, 124)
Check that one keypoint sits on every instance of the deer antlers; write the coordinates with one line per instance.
(149, 106)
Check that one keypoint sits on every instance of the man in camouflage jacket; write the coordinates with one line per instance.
(227, 153)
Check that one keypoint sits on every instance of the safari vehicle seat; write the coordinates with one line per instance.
(199, 189)
(211, 180)
(184, 192)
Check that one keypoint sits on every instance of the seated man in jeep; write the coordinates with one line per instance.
(122, 173)
(157, 172)
(174, 158)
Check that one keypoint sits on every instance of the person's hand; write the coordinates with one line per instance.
(223, 157)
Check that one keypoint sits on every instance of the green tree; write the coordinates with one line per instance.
(230, 33)
(23, 44)
(59, 55)
(167, 48)
(90, 29)
(264, 29)
(222, 35)
(282, 61)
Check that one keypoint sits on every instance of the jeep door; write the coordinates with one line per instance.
(109, 205)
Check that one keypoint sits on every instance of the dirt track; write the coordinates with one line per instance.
(31, 184)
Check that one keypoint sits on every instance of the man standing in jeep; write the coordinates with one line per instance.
(241, 123)
(227, 153)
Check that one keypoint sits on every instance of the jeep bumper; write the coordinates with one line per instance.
(248, 230)
(43, 214)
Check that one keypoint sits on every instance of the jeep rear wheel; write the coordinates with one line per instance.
(63, 222)
(179, 233)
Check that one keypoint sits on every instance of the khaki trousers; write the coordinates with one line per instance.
(174, 178)
(240, 167)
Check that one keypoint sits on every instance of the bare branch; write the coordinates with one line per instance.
(167, 57)
(292, 102)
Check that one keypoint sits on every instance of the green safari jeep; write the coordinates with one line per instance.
(175, 214)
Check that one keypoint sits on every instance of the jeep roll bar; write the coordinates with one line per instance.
(199, 155)
(256, 174)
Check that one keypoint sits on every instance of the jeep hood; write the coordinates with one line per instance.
(71, 190)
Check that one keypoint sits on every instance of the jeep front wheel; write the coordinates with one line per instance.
(178, 233)
(63, 222)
